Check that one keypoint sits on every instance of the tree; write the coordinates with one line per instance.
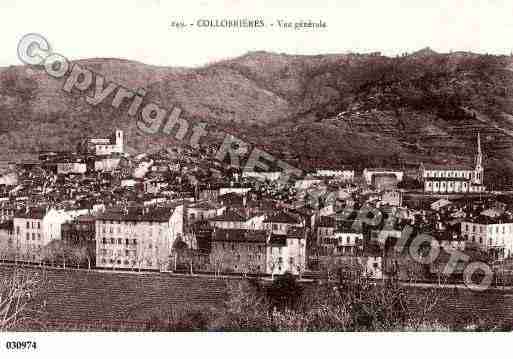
(285, 292)
(79, 255)
(329, 267)
(16, 293)
(410, 184)
(300, 267)
(51, 253)
(217, 257)
(189, 254)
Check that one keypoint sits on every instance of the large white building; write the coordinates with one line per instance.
(34, 228)
(454, 179)
(138, 238)
(286, 251)
(71, 167)
(338, 174)
(107, 146)
(106, 163)
(270, 176)
(382, 178)
(492, 235)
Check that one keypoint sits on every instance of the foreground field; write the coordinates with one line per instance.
(92, 300)
(104, 300)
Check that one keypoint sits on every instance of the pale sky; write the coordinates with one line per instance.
(139, 29)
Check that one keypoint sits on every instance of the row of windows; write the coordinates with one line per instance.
(126, 253)
(129, 223)
(443, 184)
(125, 262)
(480, 240)
(106, 147)
(348, 239)
(10, 242)
(33, 224)
(325, 231)
(126, 241)
(27, 236)
(236, 267)
(449, 174)
(237, 225)
(248, 248)
(490, 229)
(111, 231)
(279, 227)
(474, 239)
(201, 215)
(250, 257)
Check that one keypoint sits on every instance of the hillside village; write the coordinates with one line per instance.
(182, 210)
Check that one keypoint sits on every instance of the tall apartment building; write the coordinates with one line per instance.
(239, 250)
(138, 238)
(286, 250)
(494, 235)
(36, 227)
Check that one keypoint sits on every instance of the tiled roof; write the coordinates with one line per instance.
(239, 235)
(205, 205)
(382, 169)
(489, 220)
(85, 218)
(278, 240)
(230, 196)
(325, 221)
(348, 227)
(229, 216)
(32, 212)
(282, 217)
(296, 232)
(448, 168)
(147, 214)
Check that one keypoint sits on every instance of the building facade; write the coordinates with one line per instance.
(138, 238)
(71, 168)
(338, 174)
(454, 179)
(371, 174)
(35, 228)
(493, 235)
(239, 251)
(107, 146)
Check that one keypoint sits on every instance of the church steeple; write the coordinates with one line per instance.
(479, 162)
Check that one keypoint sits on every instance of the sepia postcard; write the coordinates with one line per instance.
(204, 175)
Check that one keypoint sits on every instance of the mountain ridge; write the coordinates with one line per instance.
(312, 110)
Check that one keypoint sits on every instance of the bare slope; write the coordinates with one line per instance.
(317, 110)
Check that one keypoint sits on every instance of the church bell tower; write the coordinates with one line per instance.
(478, 172)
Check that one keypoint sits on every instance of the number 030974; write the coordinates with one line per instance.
(21, 345)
